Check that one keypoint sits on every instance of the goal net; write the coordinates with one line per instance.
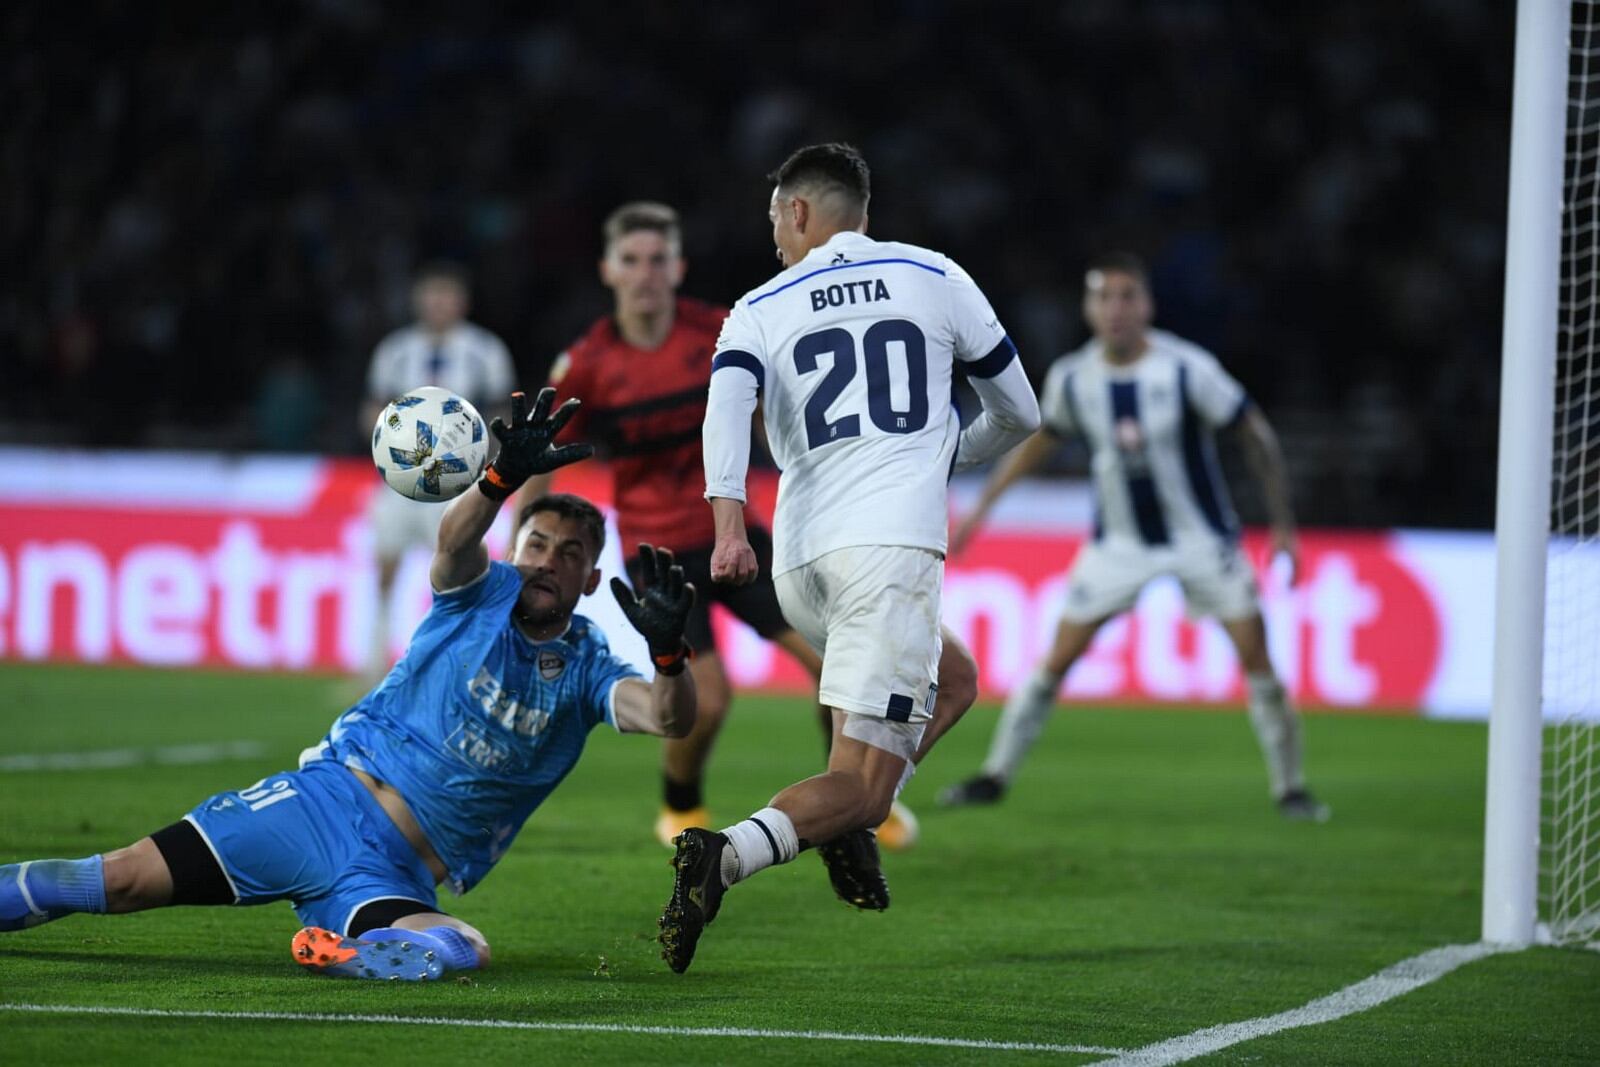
(1569, 884)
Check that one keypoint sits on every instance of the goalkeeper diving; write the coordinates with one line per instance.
(428, 778)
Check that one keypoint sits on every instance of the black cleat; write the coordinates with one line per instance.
(1301, 806)
(855, 871)
(984, 789)
(696, 894)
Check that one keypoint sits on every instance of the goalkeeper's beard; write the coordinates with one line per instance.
(548, 611)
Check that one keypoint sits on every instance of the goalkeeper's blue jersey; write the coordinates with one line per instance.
(477, 724)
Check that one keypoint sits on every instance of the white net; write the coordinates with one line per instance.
(1570, 838)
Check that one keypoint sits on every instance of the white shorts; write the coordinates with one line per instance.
(872, 612)
(399, 524)
(1217, 580)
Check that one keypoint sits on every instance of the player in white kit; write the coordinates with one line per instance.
(851, 351)
(441, 348)
(1147, 404)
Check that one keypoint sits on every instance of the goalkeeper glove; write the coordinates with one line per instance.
(525, 445)
(661, 609)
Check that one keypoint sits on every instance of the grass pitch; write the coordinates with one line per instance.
(1135, 886)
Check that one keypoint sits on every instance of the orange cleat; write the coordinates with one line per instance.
(326, 952)
(900, 830)
(671, 822)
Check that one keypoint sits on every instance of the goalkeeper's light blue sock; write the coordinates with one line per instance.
(38, 891)
(450, 946)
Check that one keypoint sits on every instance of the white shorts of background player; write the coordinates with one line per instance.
(399, 524)
(872, 612)
(1105, 580)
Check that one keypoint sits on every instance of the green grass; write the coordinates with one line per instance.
(1135, 886)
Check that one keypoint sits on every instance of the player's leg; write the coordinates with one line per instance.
(757, 606)
(684, 759)
(1103, 583)
(854, 793)
(875, 613)
(173, 866)
(378, 649)
(1219, 581)
(957, 691)
(398, 525)
(1273, 718)
(377, 916)
(393, 937)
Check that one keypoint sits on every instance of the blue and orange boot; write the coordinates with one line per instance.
(326, 952)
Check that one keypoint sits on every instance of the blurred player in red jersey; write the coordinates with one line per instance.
(642, 373)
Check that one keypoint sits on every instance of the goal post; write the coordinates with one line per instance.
(1522, 503)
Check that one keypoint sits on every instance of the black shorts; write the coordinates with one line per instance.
(755, 604)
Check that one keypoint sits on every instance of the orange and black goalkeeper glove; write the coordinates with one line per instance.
(525, 445)
(661, 608)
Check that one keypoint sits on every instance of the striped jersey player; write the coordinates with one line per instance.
(1148, 404)
(441, 348)
(852, 351)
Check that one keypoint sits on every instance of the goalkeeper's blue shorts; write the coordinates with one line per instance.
(317, 838)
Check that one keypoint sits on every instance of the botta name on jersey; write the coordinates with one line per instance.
(864, 292)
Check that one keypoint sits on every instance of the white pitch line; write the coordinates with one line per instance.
(1368, 993)
(104, 758)
(588, 1028)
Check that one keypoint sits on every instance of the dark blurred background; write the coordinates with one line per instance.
(209, 216)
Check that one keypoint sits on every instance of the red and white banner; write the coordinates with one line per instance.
(265, 563)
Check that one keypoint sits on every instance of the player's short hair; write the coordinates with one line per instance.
(1120, 261)
(833, 167)
(569, 507)
(444, 270)
(639, 215)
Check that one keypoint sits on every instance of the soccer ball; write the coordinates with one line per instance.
(430, 444)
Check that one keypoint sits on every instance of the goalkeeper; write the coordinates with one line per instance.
(428, 778)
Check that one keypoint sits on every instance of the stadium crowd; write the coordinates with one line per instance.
(210, 217)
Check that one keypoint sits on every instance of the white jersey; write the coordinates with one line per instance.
(1149, 426)
(853, 349)
(468, 360)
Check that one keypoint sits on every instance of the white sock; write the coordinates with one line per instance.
(1024, 715)
(1278, 731)
(765, 838)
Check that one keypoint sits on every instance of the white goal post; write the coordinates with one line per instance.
(1522, 504)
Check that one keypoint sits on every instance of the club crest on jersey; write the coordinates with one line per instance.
(1130, 438)
(551, 665)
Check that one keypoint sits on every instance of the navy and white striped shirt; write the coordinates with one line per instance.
(1149, 426)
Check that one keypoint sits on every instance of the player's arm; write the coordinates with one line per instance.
(1057, 422)
(1021, 461)
(1265, 457)
(737, 375)
(1010, 410)
(525, 450)
(659, 610)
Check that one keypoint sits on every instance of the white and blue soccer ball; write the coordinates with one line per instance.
(430, 444)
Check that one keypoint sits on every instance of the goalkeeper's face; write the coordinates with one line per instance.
(557, 565)
(644, 269)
